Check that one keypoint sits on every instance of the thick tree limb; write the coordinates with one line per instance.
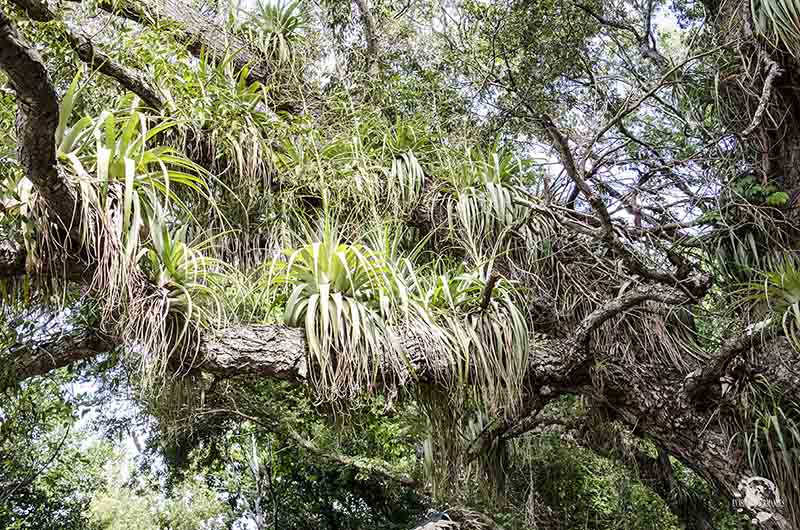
(41, 356)
(89, 54)
(127, 78)
(647, 398)
(197, 32)
(260, 350)
(278, 351)
(370, 33)
(37, 119)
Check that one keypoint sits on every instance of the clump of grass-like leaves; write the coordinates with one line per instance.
(371, 316)
(488, 331)
(347, 297)
(489, 207)
(778, 293)
(277, 28)
(771, 429)
(778, 21)
(156, 290)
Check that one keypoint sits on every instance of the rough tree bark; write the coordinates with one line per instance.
(653, 398)
(37, 119)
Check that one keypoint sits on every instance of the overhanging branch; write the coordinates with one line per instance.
(89, 54)
(39, 357)
(200, 35)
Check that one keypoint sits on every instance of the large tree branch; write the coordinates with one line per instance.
(43, 355)
(200, 35)
(278, 351)
(88, 53)
(37, 119)
(260, 350)
(645, 397)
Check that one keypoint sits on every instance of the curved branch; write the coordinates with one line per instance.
(656, 293)
(37, 119)
(89, 54)
(766, 93)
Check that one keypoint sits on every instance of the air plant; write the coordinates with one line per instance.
(771, 436)
(157, 290)
(487, 330)
(276, 27)
(345, 296)
(779, 292)
(778, 21)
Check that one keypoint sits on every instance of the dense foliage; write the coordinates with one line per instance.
(518, 264)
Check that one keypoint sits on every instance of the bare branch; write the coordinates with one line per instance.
(561, 143)
(697, 382)
(608, 22)
(628, 109)
(655, 293)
